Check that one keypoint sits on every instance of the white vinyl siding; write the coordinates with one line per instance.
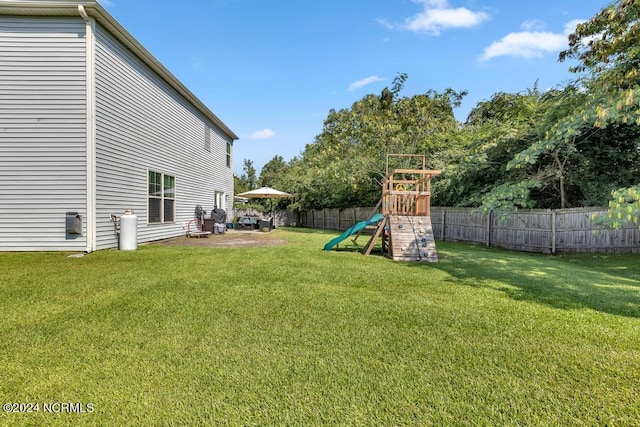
(42, 132)
(145, 125)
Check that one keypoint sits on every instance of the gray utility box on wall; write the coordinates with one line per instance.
(73, 223)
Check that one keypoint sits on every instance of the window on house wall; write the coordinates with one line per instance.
(162, 197)
(228, 154)
(207, 138)
(169, 198)
(220, 200)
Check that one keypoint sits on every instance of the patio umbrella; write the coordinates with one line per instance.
(265, 193)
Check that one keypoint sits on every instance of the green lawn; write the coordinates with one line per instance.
(292, 335)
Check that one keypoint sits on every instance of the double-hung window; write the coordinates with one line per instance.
(162, 197)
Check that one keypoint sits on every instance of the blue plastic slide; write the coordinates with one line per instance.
(353, 230)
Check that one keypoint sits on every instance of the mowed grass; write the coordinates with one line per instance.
(293, 335)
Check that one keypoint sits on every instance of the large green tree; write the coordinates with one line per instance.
(495, 130)
(608, 50)
(346, 162)
(273, 172)
(590, 126)
(248, 180)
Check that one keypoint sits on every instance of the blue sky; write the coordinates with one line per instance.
(272, 69)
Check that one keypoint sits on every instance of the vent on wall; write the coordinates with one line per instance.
(73, 223)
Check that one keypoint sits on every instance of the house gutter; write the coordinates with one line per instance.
(91, 128)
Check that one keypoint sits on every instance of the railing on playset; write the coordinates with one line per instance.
(407, 192)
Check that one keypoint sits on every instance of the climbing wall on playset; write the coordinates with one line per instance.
(411, 239)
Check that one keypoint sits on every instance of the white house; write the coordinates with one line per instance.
(91, 124)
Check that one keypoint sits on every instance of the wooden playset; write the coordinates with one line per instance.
(406, 231)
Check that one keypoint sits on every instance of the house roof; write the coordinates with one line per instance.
(96, 11)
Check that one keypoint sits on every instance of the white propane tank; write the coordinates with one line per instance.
(128, 231)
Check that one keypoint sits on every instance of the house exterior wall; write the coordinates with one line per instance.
(42, 132)
(145, 120)
(143, 125)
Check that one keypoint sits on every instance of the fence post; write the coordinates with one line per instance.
(324, 218)
(553, 231)
(355, 218)
(442, 225)
(487, 236)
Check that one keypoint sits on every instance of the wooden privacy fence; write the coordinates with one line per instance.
(536, 230)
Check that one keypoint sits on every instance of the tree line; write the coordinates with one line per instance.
(574, 145)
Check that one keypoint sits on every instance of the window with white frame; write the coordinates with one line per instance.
(162, 197)
(228, 154)
(207, 138)
(220, 200)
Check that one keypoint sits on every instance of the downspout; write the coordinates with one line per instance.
(91, 128)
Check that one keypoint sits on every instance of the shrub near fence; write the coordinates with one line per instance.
(535, 230)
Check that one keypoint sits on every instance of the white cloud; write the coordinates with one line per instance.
(530, 44)
(364, 82)
(437, 16)
(262, 134)
(532, 25)
(525, 44)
